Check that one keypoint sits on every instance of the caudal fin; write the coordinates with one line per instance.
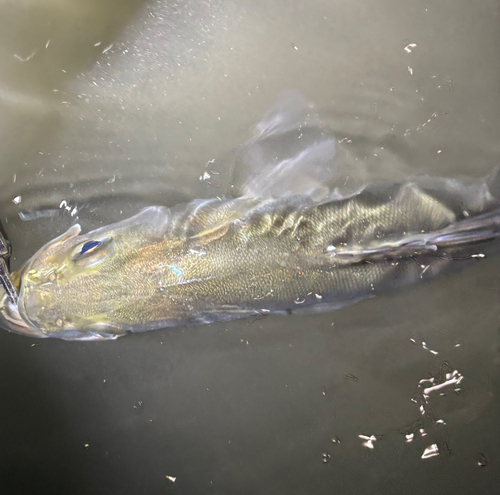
(467, 232)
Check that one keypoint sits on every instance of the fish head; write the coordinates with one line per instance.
(74, 286)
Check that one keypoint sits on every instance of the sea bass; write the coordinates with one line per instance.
(280, 247)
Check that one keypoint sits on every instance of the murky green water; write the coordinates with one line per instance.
(107, 106)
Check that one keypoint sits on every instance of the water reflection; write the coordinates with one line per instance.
(128, 126)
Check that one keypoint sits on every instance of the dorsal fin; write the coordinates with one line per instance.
(207, 217)
(289, 154)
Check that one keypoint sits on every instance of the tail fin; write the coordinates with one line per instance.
(480, 228)
(483, 226)
(467, 232)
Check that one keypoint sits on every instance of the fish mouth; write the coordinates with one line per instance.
(11, 319)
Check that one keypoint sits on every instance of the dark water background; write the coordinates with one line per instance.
(109, 105)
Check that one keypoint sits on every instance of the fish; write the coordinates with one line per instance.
(292, 242)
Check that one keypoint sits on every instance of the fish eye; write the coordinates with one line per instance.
(89, 247)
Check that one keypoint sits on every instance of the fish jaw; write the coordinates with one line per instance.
(11, 320)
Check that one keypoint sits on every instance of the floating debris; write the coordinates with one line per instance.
(482, 461)
(64, 205)
(25, 59)
(424, 345)
(453, 378)
(369, 440)
(28, 216)
(430, 451)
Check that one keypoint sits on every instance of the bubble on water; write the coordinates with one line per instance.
(326, 457)
(481, 460)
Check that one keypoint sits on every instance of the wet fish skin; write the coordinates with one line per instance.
(306, 233)
(217, 260)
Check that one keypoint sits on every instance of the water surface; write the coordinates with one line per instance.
(110, 106)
